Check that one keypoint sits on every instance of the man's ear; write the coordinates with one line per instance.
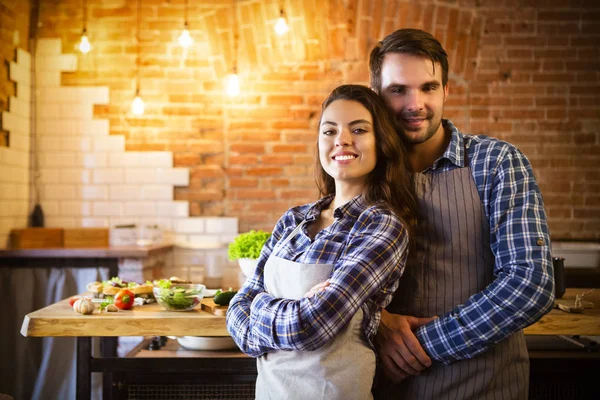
(446, 90)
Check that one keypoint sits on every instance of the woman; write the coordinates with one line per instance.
(311, 310)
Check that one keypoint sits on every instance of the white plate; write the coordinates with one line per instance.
(210, 292)
(207, 342)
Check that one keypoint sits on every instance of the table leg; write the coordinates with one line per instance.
(84, 373)
(108, 346)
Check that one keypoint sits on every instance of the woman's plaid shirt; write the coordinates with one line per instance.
(368, 246)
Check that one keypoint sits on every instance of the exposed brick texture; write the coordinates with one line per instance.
(14, 34)
(525, 71)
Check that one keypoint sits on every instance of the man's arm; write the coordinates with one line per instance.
(523, 288)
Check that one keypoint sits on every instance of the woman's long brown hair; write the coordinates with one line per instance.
(390, 180)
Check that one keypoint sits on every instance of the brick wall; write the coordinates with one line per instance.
(524, 71)
(15, 166)
(14, 34)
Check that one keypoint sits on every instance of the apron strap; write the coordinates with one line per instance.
(289, 237)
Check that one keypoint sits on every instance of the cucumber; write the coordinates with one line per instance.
(223, 298)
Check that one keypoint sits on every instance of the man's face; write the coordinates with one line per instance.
(413, 91)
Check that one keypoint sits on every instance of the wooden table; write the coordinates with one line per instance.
(558, 322)
(151, 320)
(59, 319)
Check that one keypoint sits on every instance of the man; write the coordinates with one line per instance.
(481, 262)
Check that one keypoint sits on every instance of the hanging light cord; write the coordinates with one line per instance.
(137, 58)
(84, 17)
(185, 14)
(235, 37)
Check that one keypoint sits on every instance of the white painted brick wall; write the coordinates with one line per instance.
(89, 192)
(108, 175)
(47, 79)
(87, 177)
(124, 192)
(19, 73)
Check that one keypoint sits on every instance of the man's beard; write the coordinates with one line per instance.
(404, 131)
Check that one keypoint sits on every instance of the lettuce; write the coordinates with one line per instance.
(247, 245)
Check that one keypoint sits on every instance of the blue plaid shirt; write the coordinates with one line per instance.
(368, 247)
(523, 288)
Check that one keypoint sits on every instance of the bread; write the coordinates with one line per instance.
(111, 290)
(141, 289)
(175, 279)
(94, 287)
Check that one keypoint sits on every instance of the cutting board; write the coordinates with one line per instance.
(209, 305)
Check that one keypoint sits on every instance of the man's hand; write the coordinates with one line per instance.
(398, 347)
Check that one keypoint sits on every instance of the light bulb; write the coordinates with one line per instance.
(84, 44)
(185, 40)
(281, 27)
(233, 85)
(137, 107)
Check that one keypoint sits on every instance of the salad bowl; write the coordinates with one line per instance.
(179, 296)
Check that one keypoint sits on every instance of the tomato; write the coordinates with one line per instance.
(73, 299)
(124, 299)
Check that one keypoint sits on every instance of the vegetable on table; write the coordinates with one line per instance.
(223, 298)
(73, 299)
(177, 297)
(83, 306)
(124, 299)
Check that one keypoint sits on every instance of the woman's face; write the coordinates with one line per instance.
(347, 142)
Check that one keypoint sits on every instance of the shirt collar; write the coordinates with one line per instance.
(455, 151)
(353, 208)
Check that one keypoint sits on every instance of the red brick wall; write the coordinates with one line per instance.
(525, 71)
(14, 33)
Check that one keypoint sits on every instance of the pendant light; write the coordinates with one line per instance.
(233, 80)
(84, 45)
(137, 107)
(281, 27)
(185, 40)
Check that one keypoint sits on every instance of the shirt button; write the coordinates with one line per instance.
(540, 242)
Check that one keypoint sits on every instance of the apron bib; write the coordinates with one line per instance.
(342, 369)
(451, 261)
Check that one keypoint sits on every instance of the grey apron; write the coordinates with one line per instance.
(342, 369)
(452, 261)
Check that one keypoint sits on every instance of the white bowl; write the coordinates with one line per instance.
(248, 265)
(207, 342)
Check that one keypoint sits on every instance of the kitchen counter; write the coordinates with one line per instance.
(59, 319)
(558, 322)
(150, 320)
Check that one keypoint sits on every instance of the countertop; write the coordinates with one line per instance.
(101, 252)
(59, 319)
(151, 320)
(558, 322)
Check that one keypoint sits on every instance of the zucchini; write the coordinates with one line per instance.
(223, 298)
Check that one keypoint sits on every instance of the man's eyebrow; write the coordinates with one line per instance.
(432, 83)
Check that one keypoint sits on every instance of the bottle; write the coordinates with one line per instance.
(559, 276)
(37, 217)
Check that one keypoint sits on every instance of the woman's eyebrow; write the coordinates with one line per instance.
(358, 121)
